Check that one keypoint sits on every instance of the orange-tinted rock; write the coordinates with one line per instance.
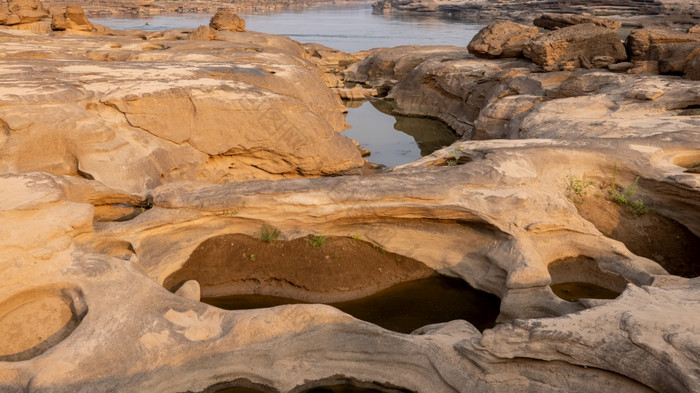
(569, 44)
(27, 11)
(227, 20)
(501, 39)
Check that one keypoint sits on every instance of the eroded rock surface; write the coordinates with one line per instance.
(577, 44)
(70, 18)
(481, 221)
(135, 113)
(508, 98)
(227, 20)
(126, 153)
(502, 39)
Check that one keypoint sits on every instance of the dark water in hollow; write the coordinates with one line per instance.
(401, 308)
(573, 291)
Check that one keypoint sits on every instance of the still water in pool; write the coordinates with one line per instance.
(401, 308)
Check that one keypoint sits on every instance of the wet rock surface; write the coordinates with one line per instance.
(120, 166)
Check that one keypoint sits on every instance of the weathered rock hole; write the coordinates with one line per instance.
(690, 110)
(35, 320)
(121, 249)
(651, 235)
(580, 277)
(689, 160)
(117, 212)
(387, 289)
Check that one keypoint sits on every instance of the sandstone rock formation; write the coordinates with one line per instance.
(659, 50)
(203, 33)
(640, 41)
(72, 18)
(576, 45)
(226, 20)
(126, 153)
(692, 68)
(331, 62)
(222, 122)
(508, 201)
(25, 11)
(501, 39)
(507, 98)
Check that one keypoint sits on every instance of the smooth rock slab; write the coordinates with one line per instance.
(163, 109)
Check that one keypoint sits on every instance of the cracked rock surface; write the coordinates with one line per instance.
(134, 113)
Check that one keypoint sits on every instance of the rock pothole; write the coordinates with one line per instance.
(580, 277)
(117, 212)
(313, 268)
(651, 235)
(37, 320)
(398, 293)
(689, 160)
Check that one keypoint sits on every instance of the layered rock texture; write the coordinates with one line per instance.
(135, 112)
(127, 155)
(502, 39)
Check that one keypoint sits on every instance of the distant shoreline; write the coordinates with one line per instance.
(96, 8)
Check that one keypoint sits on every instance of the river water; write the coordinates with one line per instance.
(349, 28)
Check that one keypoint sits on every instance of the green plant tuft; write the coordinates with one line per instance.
(268, 233)
(381, 249)
(356, 236)
(623, 195)
(576, 188)
(456, 155)
(251, 257)
(638, 208)
(317, 241)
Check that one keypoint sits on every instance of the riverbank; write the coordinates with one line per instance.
(164, 7)
(632, 13)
